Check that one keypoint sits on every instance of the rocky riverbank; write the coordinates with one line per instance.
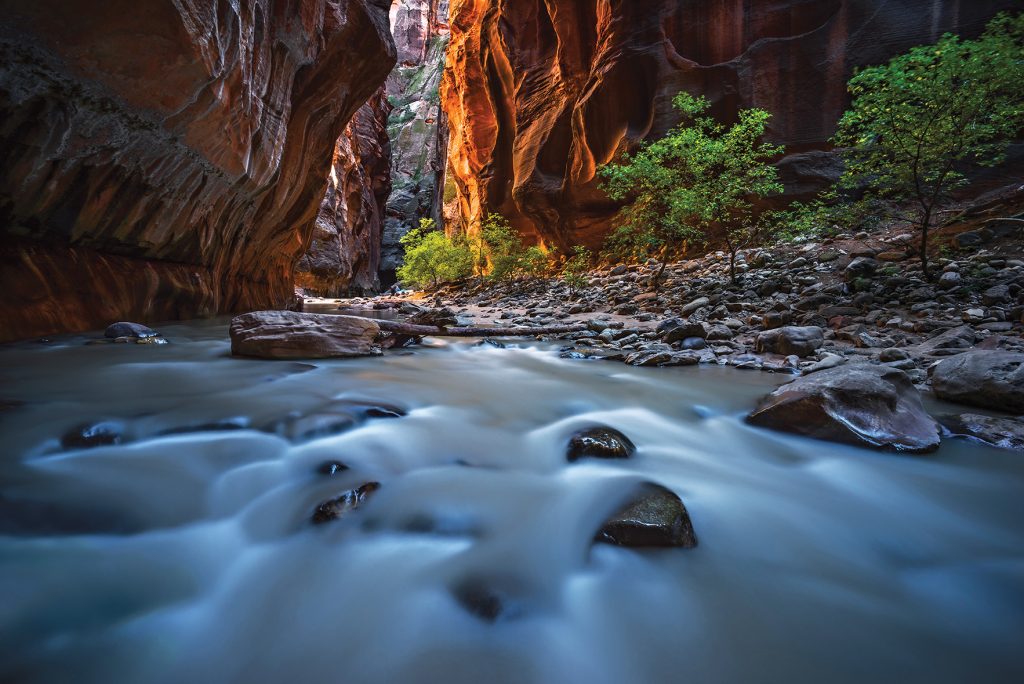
(797, 308)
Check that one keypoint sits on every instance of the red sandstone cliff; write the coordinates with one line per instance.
(540, 93)
(165, 159)
(344, 254)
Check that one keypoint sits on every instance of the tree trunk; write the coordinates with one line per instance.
(732, 267)
(476, 331)
(925, 224)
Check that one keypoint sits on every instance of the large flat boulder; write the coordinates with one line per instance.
(792, 339)
(858, 404)
(987, 378)
(293, 335)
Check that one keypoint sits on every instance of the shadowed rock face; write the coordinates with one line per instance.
(539, 93)
(164, 160)
(344, 255)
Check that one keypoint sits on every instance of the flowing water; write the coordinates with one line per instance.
(186, 553)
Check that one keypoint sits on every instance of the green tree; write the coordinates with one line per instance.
(919, 123)
(575, 269)
(432, 258)
(702, 175)
(504, 250)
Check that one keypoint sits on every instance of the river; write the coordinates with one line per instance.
(185, 552)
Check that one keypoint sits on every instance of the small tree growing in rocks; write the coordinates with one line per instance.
(575, 269)
(702, 175)
(504, 250)
(918, 123)
(432, 258)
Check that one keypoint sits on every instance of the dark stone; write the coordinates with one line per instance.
(599, 442)
(344, 504)
(127, 329)
(490, 343)
(654, 516)
(91, 435)
(331, 468)
(859, 404)
(986, 378)
(801, 341)
(685, 330)
(861, 267)
(1004, 433)
(483, 601)
(442, 318)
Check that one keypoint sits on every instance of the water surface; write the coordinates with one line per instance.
(185, 553)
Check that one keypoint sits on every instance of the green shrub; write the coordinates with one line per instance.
(575, 269)
(433, 258)
(501, 247)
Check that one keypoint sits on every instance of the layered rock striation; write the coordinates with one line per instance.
(344, 255)
(540, 93)
(162, 160)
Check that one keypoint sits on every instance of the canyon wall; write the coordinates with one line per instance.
(417, 126)
(343, 257)
(168, 158)
(540, 93)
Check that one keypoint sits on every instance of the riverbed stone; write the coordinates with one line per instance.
(987, 378)
(129, 329)
(653, 517)
(346, 503)
(859, 404)
(90, 435)
(294, 335)
(599, 442)
(1004, 433)
(799, 340)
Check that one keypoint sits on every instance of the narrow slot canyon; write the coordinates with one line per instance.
(514, 341)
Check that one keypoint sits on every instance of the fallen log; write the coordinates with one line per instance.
(413, 330)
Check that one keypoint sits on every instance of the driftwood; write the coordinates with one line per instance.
(413, 330)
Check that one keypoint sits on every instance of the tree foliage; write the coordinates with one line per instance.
(433, 258)
(919, 123)
(504, 250)
(702, 175)
(575, 269)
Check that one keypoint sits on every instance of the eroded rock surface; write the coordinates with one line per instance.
(166, 160)
(292, 335)
(344, 254)
(990, 379)
(654, 516)
(540, 94)
(859, 404)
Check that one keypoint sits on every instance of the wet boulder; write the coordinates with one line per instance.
(599, 442)
(89, 435)
(861, 404)
(128, 329)
(654, 516)
(442, 318)
(294, 335)
(685, 330)
(344, 504)
(1004, 433)
(987, 378)
(796, 340)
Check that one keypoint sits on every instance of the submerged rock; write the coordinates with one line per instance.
(857, 404)
(89, 435)
(1004, 433)
(800, 341)
(344, 504)
(655, 516)
(989, 379)
(128, 329)
(293, 335)
(600, 442)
